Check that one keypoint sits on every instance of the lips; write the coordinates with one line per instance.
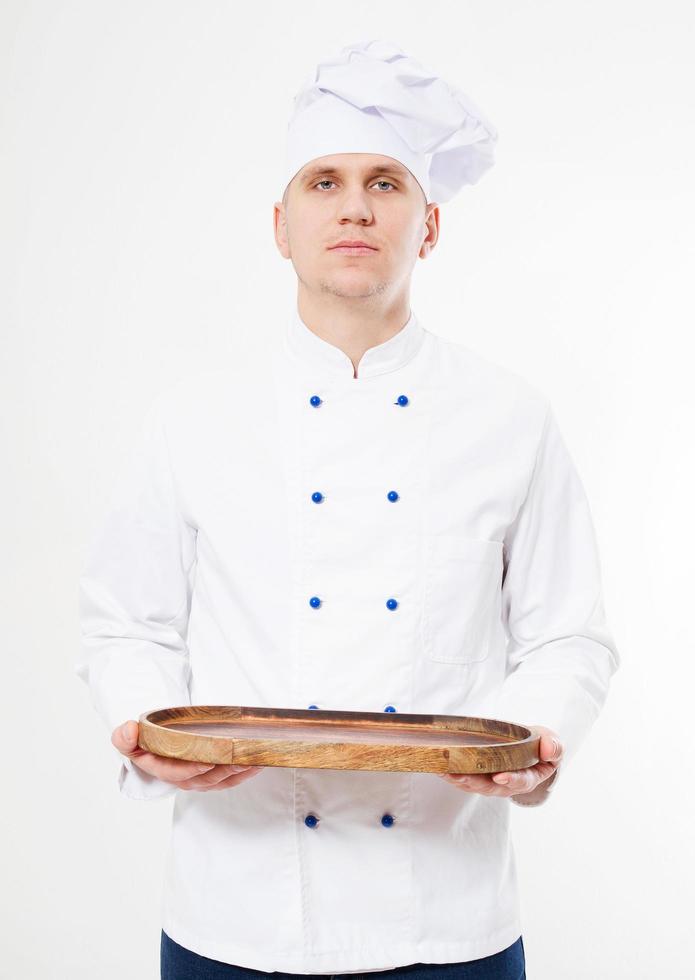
(351, 244)
(353, 248)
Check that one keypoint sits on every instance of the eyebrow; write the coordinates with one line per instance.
(379, 169)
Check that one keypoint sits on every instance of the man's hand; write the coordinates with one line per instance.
(182, 774)
(520, 782)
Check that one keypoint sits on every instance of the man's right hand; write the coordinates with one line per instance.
(178, 772)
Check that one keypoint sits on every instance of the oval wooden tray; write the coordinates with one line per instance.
(318, 739)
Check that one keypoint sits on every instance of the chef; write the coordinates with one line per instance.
(364, 516)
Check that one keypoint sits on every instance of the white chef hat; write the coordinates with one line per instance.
(374, 98)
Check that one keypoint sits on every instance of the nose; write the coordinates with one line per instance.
(353, 205)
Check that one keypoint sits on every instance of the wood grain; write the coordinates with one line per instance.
(318, 739)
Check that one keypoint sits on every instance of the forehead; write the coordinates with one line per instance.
(357, 163)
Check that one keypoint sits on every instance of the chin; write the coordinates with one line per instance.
(354, 286)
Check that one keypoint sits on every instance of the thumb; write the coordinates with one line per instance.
(125, 738)
(550, 748)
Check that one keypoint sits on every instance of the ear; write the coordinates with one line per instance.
(431, 230)
(280, 229)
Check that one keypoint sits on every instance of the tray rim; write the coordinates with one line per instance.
(521, 740)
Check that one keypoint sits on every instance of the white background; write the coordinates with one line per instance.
(140, 153)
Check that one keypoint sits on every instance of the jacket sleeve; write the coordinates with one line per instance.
(560, 652)
(134, 599)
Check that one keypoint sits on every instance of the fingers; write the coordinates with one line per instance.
(523, 780)
(125, 738)
(550, 752)
(180, 772)
(473, 783)
(519, 781)
(170, 770)
(238, 775)
(193, 775)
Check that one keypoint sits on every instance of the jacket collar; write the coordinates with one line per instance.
(319, 355)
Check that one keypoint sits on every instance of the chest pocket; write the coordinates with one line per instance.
(462, 579)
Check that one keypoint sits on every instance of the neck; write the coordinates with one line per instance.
(353, 324)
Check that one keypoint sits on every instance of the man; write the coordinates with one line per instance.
(367, 517)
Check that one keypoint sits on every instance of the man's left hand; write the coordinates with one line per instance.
(518, 782)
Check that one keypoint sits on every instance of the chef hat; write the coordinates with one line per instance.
(374, 98)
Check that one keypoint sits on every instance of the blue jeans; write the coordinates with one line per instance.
(179, 963)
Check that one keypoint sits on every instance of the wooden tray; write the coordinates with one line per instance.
(318, 739)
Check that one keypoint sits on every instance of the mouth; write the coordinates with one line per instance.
(353, 249)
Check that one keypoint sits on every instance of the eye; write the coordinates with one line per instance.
(326, 181)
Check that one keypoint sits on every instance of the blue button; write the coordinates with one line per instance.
(317, 496)
(310, 820)
(391, 603)
(315, 602)
(313, 705)
(387, 820)
(401, 400)
(392, 495)
(389, 707)
(315, 401)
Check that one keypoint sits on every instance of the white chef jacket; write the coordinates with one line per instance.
(197, 590)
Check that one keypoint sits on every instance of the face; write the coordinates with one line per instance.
(355, 197)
